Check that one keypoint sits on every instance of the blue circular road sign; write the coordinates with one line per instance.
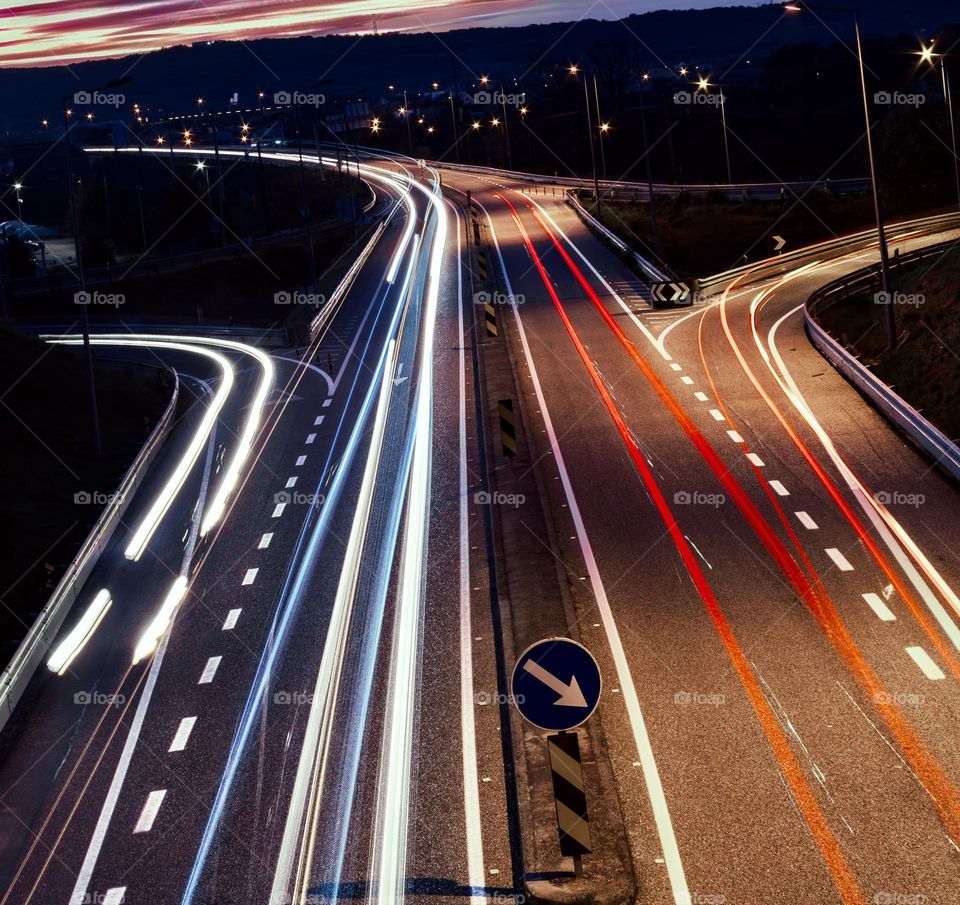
(556, 684)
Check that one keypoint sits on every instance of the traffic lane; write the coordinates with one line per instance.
(300, 441)
(626, 541)
(58, 714)
(592, 347)
(275, 509)
(459, 811)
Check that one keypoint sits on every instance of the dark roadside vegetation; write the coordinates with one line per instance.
(925, 366)
(702, 235)
(47, 456)
(49, 467)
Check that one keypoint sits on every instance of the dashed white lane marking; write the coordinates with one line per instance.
(318, 421)
(209, 671)
(291, 482)
(301, 460)
(879, 607)
(265, 541)
(926, 664)
(310, 438)
(231, 621)
(700, 397)
(841, 561)
(687, 380)
(755, 459)
(675, 366)
(327, 402)
(149, 812)
(115, 895)
(278, 510)
(182, 734)
(733, 435)
(806, 521)
(250, 577)
(779, 489)
(716, 414)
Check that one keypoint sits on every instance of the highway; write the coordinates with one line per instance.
(296, 694)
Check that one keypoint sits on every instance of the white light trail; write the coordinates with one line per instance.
(161, 622)
(69, 649)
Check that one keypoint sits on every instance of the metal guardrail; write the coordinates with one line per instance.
(344, 285)
(742, 189)
(651, 270)
(32, 650)
(777, 264)
(891, 405)
(270, 337)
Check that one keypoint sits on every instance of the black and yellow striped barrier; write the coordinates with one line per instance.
(508, 427)
(482, 266)
(570, 795)
(490, 318)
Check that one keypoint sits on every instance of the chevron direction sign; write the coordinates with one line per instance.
(680, 292)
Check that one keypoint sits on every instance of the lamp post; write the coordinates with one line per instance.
(927, 56)
(651, 201)
(17, 186)
(871, 156)
(78, 257)
(704, 85)
(574, 71)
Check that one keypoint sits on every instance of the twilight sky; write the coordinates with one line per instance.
(54, 32)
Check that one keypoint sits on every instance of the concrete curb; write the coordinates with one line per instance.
(32, 650)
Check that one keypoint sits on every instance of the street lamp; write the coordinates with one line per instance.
(16, 188)
(928, 56)
(574, 70)
(703, 84)
(881, 234)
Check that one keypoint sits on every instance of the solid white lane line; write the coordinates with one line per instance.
(265, 541)
(841, 561)
(310, 439)
(700, 397)
(879, 607)
(291, 482)
(471, 797)
(301, 460)
(687, 380)
(806, 521)
(231, 621)
(779, 489)
(651, 775)
(182, 734)
(717, 415)
(930, 669)
(115, 895)
(755, 459)
(149, 813)
(278, 510)
(250, 577)
(318, 421)
(209, 671)
(733, 435)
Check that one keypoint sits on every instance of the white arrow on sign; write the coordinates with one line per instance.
(780, 242)
(570, 695)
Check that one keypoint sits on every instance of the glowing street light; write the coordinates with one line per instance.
(927, 55)
(871, 156)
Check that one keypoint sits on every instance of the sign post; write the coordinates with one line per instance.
(556, 686)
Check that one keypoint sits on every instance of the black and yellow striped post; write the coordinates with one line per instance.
(570, 796)
(490, 318)
(482, 270)
(508, 427)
